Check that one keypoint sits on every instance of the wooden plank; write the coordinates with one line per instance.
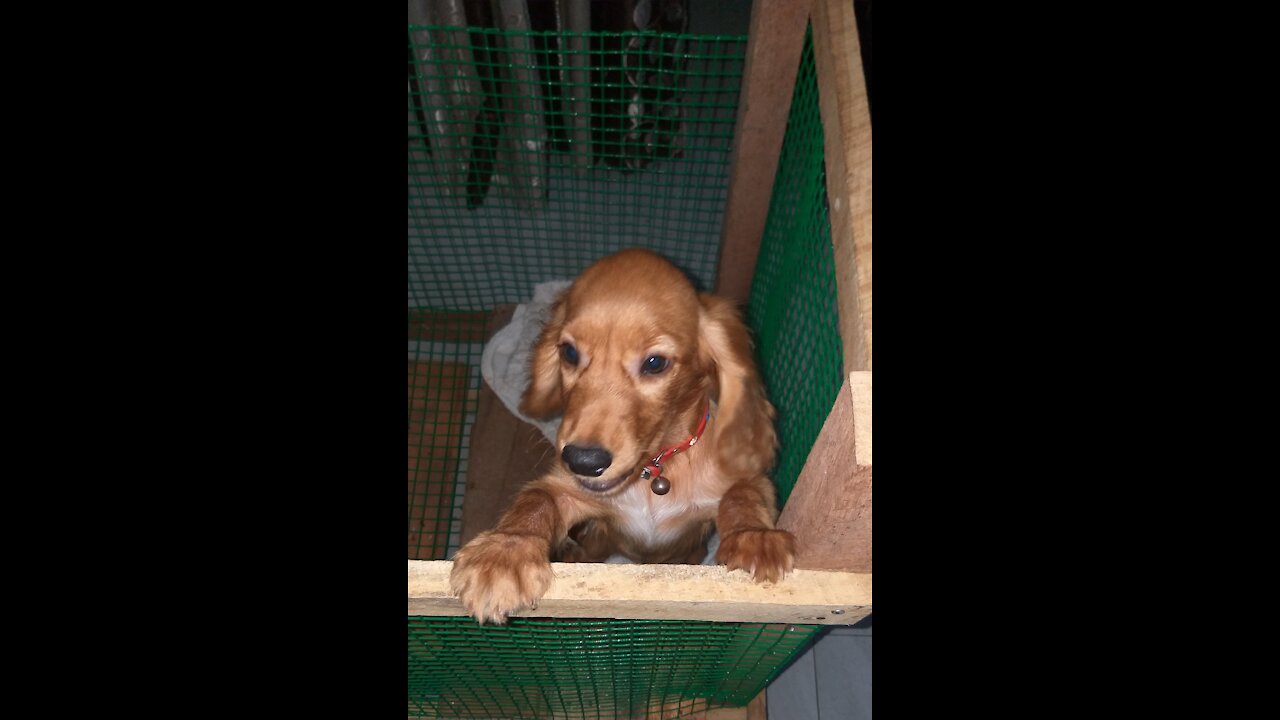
(738, 713)
(846, 124)
(437, 407)
(506, 453)
(775, 40)
(860, 396)
(758, 709)
(668, 592)
(829, 510)
(447, 326)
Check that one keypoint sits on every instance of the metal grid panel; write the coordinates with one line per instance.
(532, 154)
(545, 668)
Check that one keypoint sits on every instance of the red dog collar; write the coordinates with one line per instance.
(661, 485)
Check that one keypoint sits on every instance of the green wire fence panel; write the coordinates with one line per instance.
(444, 381)
(793, 306)
(544, 668)
(532, 154)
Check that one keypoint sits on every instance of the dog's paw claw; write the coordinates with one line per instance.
(767, 555)
(498, 574)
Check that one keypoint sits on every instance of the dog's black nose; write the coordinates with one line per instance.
(590, 461)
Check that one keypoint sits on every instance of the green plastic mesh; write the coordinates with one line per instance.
(533, 154)
(542, 668)
(793, 306)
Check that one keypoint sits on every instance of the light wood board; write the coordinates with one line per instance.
(668, 592)
(506, 452)
(846, 124)
(829, 510)
(775, 40)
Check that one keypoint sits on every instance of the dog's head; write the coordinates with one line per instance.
(631, 355)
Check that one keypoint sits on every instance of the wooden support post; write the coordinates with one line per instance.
(668, 592)
(829, 510)
(774, 42)
(846, 125)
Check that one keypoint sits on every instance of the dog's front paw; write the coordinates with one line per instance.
(766, 554)
(497, 574)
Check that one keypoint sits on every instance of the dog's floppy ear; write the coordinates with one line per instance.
(543, 398)
(745, 439)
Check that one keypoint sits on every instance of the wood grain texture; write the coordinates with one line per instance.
(668, 592)
(775, 40)
(506, 452)
(758, 708)
(829, 510)
(739, 713)
(846, 123)
(437, 408)
(447, 326)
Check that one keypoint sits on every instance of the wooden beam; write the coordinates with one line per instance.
(774, 42)
(846, 125)
(829, 510)
(506, 452)
(463, 327)
(735, 713)
(668, 592)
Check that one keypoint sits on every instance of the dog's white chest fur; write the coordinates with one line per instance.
(654, 521)
(650, 520)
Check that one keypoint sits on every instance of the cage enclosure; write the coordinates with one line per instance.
(746, 161)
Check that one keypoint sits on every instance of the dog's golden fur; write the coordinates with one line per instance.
(623, 310)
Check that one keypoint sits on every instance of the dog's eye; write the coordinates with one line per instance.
(569, 353)
(654, 365)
